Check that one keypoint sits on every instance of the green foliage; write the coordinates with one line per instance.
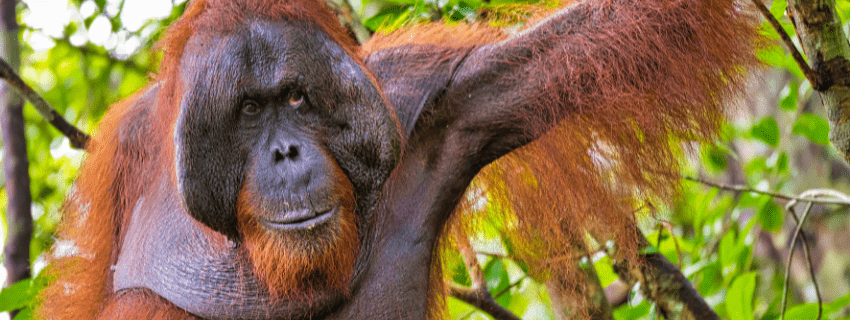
(22, 296)
(393, 14)
(766, 131)
(812, 127)
(739, 300)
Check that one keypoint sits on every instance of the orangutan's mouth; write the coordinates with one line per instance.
(303, 219)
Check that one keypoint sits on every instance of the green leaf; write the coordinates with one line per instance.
(728, 251)
(780, 163)
(777, 8)
(802, 312)
(497, 276)
(632, 312)
(648, 250)
(739, 298)
(459, 274)
(25, 314)
(770, 216)
(711, 279)
(714, 157)
(773, 55)
(767, 131)
(16, 296)
(812, 127)
(605, 271)
(789, 101)
(387, 16)
(836, 305)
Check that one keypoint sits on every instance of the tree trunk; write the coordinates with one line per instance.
(18, 214)
(819, 29)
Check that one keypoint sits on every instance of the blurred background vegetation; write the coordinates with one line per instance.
(83, 55)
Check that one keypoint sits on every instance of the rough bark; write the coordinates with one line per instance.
(18, 214)
(819, 29)
(664, 283)
(661, 282)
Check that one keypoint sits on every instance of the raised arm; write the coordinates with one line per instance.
(653, 68)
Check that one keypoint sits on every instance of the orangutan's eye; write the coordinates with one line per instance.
(295, 99)
(249, 107)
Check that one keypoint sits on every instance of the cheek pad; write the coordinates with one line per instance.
(210, 171)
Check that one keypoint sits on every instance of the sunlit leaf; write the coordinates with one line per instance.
(16, 296)
(383, 20)
(739, 299)
(632, 312)
(789, 101)
(837, 305)
(777, 8)
(808, 311)
(728, 251)
(605, 271)
(812, 127)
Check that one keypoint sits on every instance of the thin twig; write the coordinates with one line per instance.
(810, 73)
(808, 196)
(740, 188)
(346, 12)
(790, 259)
(478, 295)
(491, 254)
(476, 275)
(811, 267)
(78, 139)
(662, 225)
(806, 251)
(510, 286)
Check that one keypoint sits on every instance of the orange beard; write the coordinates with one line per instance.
(298, 264)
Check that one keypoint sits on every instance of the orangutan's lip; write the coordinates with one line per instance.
(304, 219)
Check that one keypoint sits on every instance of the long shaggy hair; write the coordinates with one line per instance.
(295, 265)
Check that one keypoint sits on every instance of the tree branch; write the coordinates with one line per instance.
(346, 14)
(78, 139)
(825, 44)
(478, 295)
(810, 73)
(663, 283)
(803, 197)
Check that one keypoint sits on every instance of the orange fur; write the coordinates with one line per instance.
(141, 305)
(294, 266)
(106, 189)
(628, 89)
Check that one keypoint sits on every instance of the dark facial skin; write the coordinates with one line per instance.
(286, 103)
